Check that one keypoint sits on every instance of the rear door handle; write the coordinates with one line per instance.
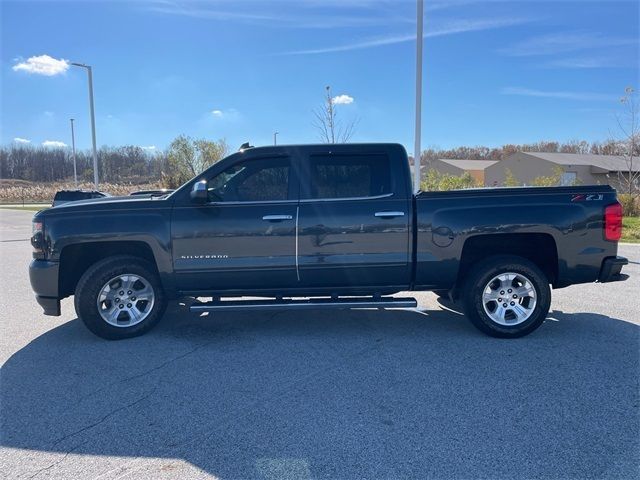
(389, 214)
(276, 218)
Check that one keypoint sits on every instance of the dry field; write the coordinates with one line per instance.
(22, 191)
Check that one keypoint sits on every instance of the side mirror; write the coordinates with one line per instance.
(199, 192)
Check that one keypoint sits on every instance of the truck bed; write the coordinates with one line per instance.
(453, 226)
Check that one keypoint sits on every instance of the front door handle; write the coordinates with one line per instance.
(389, 214)
(276, 218)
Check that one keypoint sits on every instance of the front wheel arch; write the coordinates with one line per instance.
(77, 258)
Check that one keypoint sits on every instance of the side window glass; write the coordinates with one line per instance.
(252, 181)
(270, 183)
(349, 176)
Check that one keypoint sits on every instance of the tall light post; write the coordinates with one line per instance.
(275, 138)
(417, 148)
(93, 121)
(73, 151)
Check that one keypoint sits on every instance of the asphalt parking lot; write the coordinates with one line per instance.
(354, 394)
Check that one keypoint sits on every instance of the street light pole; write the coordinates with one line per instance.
(417, 147)
(73, 150)
(93, 121)
(275, 140)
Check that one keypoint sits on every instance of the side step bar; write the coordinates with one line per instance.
(304, 304)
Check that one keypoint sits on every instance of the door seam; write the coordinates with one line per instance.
(297, 266)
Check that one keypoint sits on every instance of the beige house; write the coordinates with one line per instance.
(582, 169)
(475, 168)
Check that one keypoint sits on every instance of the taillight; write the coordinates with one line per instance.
(613, 222)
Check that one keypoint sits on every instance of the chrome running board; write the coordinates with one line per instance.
(304, 304)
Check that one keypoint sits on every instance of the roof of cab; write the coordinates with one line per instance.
(324, 147)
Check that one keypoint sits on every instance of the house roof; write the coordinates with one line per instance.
(469, 164)
(610, 163)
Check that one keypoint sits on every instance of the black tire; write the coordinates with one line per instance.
(91, 283)
(483, 273)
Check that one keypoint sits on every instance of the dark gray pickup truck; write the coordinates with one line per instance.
(323, 226)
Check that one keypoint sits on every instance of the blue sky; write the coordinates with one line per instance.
(494, 73)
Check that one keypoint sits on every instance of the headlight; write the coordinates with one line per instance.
(37, 239)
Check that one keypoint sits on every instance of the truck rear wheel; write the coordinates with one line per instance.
(120, 297)
(506, 296)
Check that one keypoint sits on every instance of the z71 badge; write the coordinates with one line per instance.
(587, 197)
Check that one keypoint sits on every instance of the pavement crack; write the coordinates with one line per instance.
(164, 364)
(104, 418)
(146, 372)
(58, 462)
(208, 429)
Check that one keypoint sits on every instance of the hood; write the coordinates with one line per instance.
(100, 201)
(106, 204)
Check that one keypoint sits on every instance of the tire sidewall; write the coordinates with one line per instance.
(93, 281)
(492, 267)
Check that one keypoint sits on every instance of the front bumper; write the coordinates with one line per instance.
(50, 306)
(611, 270)
(43, 275)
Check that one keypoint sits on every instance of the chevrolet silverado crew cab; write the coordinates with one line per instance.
(322, 226)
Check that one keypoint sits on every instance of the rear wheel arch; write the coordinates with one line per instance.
(538, 248)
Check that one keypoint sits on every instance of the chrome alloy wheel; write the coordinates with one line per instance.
(126, 300)
(509, 299)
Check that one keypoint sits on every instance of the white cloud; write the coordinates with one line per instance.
(227, 114)
(586, 96)
(149, 147)
(43, 65)
(297, 14)
(588, 62)
(342, 100)
(21, 140)
(53, 144)
(556, 43)
(450, 28)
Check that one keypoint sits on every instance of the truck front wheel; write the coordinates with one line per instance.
(506, 296)
(120, 297)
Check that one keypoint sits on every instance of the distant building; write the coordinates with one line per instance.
(475, 168)
(582, 169)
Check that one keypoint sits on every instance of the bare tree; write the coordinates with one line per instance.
(330, 128)
(628, 123)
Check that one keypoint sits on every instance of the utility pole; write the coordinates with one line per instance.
(93, 121)
(417, 149)
(275, 140)
(73, 152)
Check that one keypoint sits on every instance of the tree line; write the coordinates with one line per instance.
(40, 164)
(184, 158)
(608, 147)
